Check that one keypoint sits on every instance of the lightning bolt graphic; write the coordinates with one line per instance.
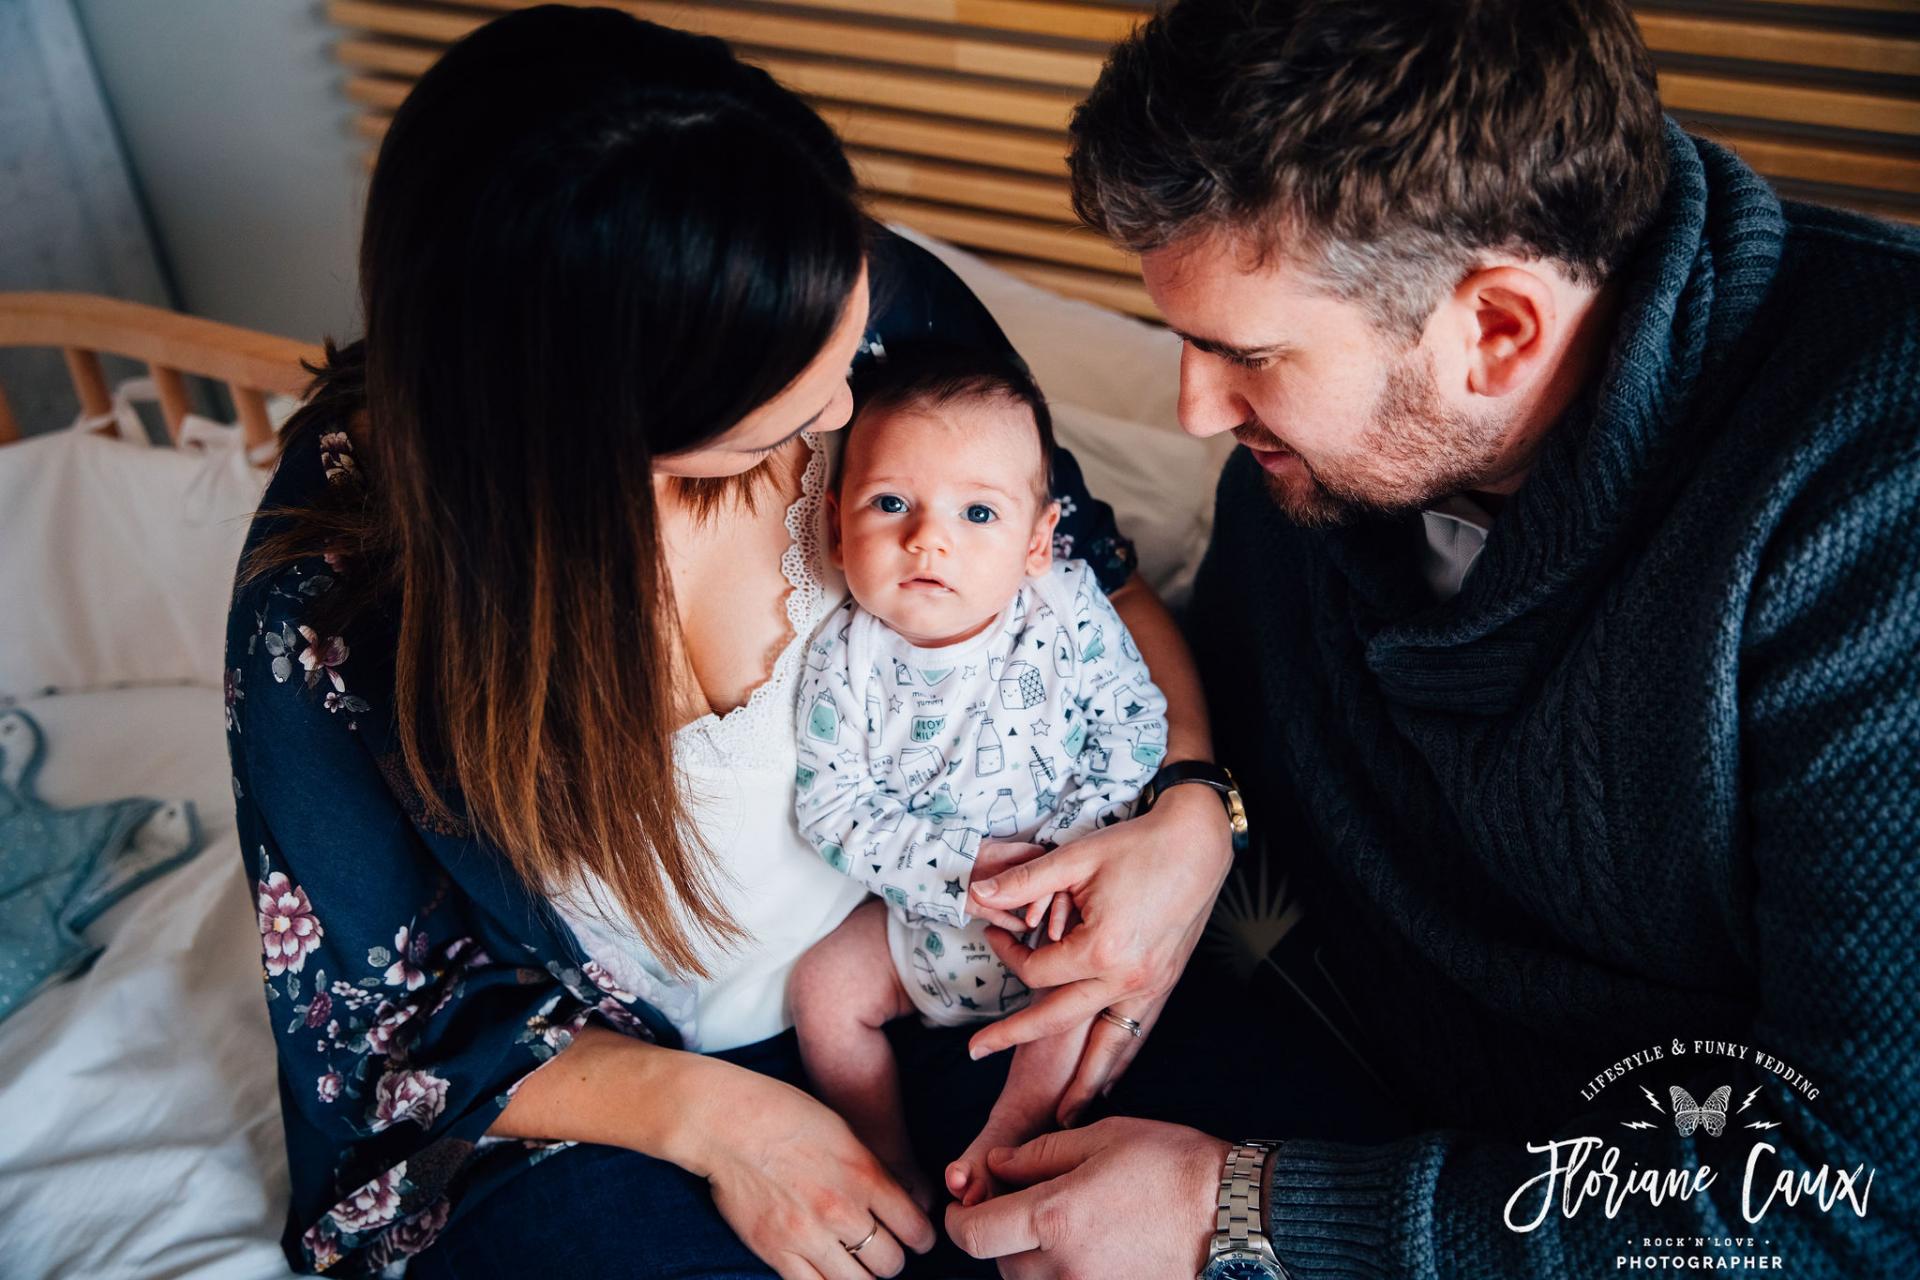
(1635, 1124)
(1653, 1100)
(1749, 1099)
(1763, 1124)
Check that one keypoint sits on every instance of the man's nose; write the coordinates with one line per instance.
(1209, 404)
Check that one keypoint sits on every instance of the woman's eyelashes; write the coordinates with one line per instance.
(775, 446)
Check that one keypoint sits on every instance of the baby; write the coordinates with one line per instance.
(974, 689)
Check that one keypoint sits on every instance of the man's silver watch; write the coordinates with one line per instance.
(1239, 1250)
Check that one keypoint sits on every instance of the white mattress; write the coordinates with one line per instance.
(139, 1118)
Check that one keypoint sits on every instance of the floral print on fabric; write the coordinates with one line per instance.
(376, 1203)
(410, 1235)
(234, 694)
(1086, 530)
(289, 931)
(336, 457)
(419, 1096)
(411, 946)
(323, 658)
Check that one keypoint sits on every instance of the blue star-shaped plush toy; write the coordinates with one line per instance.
(61, 868)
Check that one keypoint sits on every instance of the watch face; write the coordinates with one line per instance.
(1239, 1266)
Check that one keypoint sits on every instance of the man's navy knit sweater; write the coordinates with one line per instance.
(1651, 779)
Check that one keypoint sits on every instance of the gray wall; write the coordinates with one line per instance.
(231, 115)
(71, 214)
(70, 218)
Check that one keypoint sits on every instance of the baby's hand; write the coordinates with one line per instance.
(1055, 910)
(993, 857)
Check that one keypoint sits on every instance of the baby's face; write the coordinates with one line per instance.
(939, 517)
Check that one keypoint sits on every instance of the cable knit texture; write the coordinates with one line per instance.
(1653, 775)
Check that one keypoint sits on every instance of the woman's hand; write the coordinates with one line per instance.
(786, 1173)
(1143, 890)
(793, 1182)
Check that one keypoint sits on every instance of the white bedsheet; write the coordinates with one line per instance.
(139, 1117)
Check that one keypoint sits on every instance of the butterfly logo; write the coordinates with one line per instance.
(1710, 1115)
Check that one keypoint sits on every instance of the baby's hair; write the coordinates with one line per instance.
(933, 374)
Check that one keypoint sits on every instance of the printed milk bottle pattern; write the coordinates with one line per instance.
(988, 756)
(1003, 819)
(1150, 742)
(823, 721)
(1062, 653)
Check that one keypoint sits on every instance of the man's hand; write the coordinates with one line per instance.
(1143, 890)
(1077, 1210)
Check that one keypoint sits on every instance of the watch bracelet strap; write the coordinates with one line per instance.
(1189, 771)
(1216, 778)
(1240, 1221)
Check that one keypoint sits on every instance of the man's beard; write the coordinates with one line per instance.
(1414, 451)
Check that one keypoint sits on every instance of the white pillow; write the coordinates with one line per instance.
(1113, 383)
(117, 559)
(1159, 483)
(1110, 363)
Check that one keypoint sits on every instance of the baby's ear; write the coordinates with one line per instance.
(1040, 546)
(833, 531)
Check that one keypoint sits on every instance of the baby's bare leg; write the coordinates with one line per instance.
(1037, 1078)
(843, 991)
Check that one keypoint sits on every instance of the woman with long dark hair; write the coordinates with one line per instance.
(510, 683)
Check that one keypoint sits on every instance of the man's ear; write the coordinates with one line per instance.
(1040, 545)
(1508, 320)
(833, 531)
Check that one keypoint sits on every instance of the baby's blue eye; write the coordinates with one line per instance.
(891, 503)
(980, 513)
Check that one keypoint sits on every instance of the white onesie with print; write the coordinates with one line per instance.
(1042, 728)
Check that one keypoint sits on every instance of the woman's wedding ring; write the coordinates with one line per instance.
(855, 1248)
(1123, 1022)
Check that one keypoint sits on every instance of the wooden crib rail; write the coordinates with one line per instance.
(85, 326)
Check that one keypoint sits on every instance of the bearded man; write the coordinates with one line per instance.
(1562, 627)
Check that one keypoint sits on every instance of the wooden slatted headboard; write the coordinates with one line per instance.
(955, 111)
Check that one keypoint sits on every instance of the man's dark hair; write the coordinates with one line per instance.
(932, 374)
(1386, 143)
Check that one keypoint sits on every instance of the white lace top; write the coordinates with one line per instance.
(738, 773)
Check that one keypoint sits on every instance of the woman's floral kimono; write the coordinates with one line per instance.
(412, 979)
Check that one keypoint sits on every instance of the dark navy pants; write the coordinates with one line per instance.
(1270, 1057)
